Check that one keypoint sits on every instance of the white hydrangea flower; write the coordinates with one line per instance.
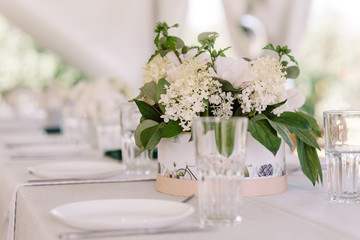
(267, 88)
(184, 97)
(157, 68)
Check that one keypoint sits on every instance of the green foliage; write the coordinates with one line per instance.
(262, 131)
(224, 137)
(309, 162)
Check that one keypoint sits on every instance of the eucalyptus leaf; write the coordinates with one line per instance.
(262, 131)
(149, 90)
(292, 72)
(147, 111)
(309, 162)
(164, 52)
(205, 35)
(143, 125)
(305, 136)
(179, 43)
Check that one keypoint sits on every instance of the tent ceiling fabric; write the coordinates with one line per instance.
(94, 36)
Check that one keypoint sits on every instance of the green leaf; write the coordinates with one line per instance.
(141, 150)
(138, 97)
(224, 137)
(150, 137)
(207, 108)
(283, 132)
(164, 52)
(292, 72)
(262, 131)
(179, 43)
(305, 136)
(227, 86)
(309, 162)
(143, 125)
(172, 129)
(292, 59)
(270, 108)
(291, 119)
(147, 111)
(315, 127)
(269, 47)
(161, 90)
(284, 63)
(156, 40)
(149, 90)
(247, 59)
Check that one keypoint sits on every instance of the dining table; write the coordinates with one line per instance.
(303, 211)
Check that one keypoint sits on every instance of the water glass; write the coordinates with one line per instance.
(220, 158)
(129, 119)
(342, 148)
(108, 125)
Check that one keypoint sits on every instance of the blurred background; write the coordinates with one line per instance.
(47, 43)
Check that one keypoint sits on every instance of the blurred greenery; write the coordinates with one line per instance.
(24, 63)
(329, 62)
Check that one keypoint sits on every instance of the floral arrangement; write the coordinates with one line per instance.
(87, 95)
(182, 82)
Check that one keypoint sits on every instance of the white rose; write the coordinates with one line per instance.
(295, 99)
(237, 72)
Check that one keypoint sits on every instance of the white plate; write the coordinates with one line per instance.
(77, 169)
(122, 214)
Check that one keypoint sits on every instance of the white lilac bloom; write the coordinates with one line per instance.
(237, 72)
(184, 97)
(267, 88)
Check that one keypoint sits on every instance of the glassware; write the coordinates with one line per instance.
(342, 148)
(129, 119)
(220, 156)
(108, 125)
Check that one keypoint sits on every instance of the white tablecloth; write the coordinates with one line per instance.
(302, 212)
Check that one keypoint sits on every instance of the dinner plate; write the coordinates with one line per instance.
(77, 169)
(110, 214)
